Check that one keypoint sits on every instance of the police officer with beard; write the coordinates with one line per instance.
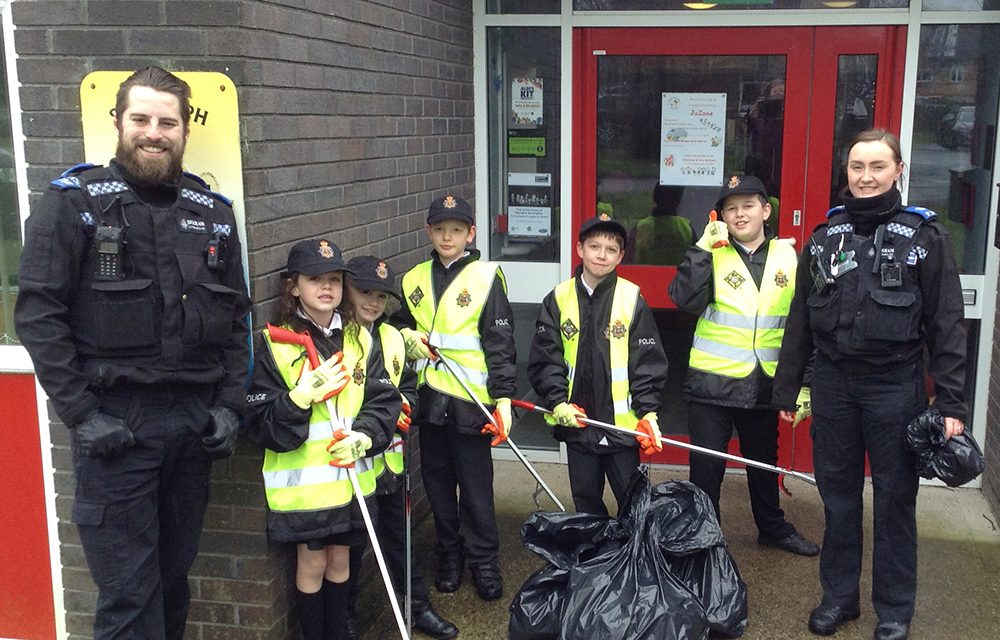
(132, 306)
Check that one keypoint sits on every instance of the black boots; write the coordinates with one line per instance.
(449, 575)
(427, 621)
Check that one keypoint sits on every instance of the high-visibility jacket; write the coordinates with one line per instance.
(623, 305)
(303, 479)
(743, 327)
(452, 326)
(394, 356)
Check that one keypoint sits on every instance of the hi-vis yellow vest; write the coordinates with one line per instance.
(394, 357)
(303, 480)
(745, 326)
(622, 312)
(452, 324)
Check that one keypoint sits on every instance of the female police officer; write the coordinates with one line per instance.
(876, 284)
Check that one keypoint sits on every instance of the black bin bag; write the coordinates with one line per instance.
(954, 461)
(662, 571)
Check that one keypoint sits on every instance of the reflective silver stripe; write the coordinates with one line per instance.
(768, 355)
(723, 350)
(728, 319)
(571, 371)
(323, 430)
(309, 476)
(623, 406)
(743, 322)
(471, 376)
(458, 343)
(420, 363)
(619, 374)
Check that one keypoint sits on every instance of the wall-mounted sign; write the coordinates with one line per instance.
(533, 146)
(529, 204)
(526, 102)
(692, 138)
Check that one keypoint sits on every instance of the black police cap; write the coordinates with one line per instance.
(369, 273)
(313, 257)
(740, 185)
(450, 207)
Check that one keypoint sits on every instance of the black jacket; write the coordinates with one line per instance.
(858, 322)
(647, 367)
(496, 335)
(692, 290)
(172, 319)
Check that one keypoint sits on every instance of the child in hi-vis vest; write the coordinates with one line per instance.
(344, 411)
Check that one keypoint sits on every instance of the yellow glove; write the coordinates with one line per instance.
(347, 447)
(416, 344)
(716, 235)
(567, 415)
(803, 406)
(321, 383)
(648, 434)
(502, 417)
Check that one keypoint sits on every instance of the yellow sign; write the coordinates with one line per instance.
(213, 148)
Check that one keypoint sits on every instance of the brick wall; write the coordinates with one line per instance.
(352, 123)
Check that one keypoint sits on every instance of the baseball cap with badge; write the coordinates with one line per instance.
(603, 222)
(369, 273)
(450, 207)
(740, 185)
(313, 257)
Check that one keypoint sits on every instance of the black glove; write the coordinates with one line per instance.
(221, 440)
(103, 436)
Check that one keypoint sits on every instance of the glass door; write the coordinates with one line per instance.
(664, 116)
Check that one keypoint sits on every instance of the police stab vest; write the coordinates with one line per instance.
(744, 326)
(303, 479)
(394, 357)
(623, 303)
(452, 325)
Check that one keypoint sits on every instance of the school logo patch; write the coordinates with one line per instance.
(735, 280)
(618, 330)
(382, 271)
(781, 279)
(568, 329)
(450, 202)
(734, 182)
(396, 366)
(464, 298)
(359, 374)
(325, 249)
(603, 217)
(416, 296)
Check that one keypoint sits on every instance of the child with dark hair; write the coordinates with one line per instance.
(315, 422)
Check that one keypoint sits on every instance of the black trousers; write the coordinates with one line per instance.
(587, 471)
(140, 514)
(457, 470)
(857, 412)
(711, 426)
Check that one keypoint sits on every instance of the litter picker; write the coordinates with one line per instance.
(524, 404)
(489, 416)
(286, 336)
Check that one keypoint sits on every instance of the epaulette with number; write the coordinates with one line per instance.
(203, 184)
(68, 179)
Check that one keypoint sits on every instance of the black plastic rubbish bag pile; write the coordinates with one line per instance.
(662, 571)
(955, 461)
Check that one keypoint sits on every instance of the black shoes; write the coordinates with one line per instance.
(824, 621)
(892, 631)
(489, 584)
(449, 574)
(427, 621)
(792, 543)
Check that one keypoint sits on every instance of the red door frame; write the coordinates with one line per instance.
(810, 81)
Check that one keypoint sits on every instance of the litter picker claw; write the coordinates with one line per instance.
(524, 404)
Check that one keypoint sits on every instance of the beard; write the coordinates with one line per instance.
(150, 172)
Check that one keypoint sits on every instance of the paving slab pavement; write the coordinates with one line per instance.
(959, 563)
